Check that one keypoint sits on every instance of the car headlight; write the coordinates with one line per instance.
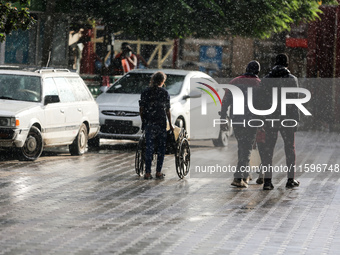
(7, 122)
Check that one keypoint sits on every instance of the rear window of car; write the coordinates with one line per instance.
(135, 83)
(79, 90)
(20, 87)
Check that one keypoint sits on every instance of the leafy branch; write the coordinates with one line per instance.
(13, 18)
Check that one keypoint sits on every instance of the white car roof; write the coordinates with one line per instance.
(40, 72)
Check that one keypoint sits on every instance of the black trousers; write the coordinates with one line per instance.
(266, 151)
(245, 137)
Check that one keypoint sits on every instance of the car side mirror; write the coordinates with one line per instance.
(50, 99)
(193, 94)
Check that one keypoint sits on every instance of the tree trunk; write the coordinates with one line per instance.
(48, 33)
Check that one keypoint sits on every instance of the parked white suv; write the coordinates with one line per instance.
(45, 108)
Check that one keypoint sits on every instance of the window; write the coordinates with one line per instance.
(135, 83)
(65, 91)
(50, 89)
(79, 90)
(20, 87)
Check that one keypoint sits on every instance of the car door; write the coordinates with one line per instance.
(55, 118)
(85, 103)
(73, 111)
(204, 108)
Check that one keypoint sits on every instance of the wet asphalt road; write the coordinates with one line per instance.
(96, 204)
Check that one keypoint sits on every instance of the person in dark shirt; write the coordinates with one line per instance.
(245, 135)
(154, 108)
(279, 77)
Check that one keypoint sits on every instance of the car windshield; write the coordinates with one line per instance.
(20, 87)
(135, 83)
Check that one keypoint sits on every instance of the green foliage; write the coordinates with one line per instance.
(13, 18)
(157, 20)
(149, 19)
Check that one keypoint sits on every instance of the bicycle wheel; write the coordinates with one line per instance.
(140, 157)
(183, 158)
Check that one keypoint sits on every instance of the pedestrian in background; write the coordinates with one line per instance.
(129, 60)
(154, 111)
(124, 61)
(279, 77)
(244, 134)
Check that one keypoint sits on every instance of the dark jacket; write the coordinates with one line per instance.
(242, 82)
(154, 102)
(279, 77)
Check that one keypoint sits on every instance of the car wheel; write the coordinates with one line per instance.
(33, 146)
(182, 158)
(222, 140)
(78, 147)
(94, 142)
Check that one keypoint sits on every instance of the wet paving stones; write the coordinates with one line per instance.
(96, 204)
